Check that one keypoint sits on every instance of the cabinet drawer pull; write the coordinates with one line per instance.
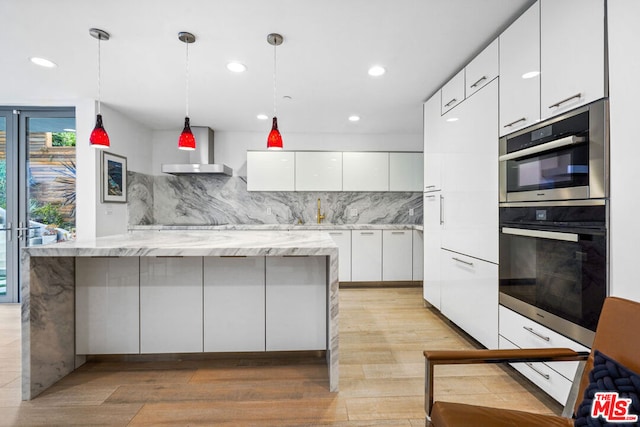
(432, 196)
(450, 102)
(478, 81)
(523, 119)
(366, 232)
(397, 232)
(335, 233)
(538, 334)
(537, 371)
(462, 261)
(430, 186)
(559, 103)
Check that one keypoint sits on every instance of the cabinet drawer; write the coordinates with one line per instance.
(342, 238)
(482, 69)
(525, 333)
(551, 382)
(366, 255)
(397, 259)
(452, 93)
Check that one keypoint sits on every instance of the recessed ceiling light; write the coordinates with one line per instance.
(262, 117)
(452, 119)
(531, 74)
(43, 62)
(236, 67)
(377, 71)
(354, 118)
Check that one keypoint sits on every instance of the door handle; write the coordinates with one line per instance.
(559, 103)
(478, 81)
(441, 210)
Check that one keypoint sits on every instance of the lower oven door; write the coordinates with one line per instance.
(555, 277)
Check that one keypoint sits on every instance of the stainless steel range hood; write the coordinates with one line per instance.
(201, 159)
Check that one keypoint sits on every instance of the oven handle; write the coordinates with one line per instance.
(562, 142)
(554, 235)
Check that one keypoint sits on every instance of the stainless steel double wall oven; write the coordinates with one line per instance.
(553, 221)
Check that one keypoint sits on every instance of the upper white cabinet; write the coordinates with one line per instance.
(572, 54)
(432, 144)
(366, 255)
(270, 171)
(318, 171)
(482, 69)
(107, 305)
(365, 171)
(405, 171)
(520, 72)
(397, 259)
(453, 92)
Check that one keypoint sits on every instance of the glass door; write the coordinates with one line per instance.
(37, 186)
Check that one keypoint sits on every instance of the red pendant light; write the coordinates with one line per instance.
(274, 141)
(99, 137)
(187, 141)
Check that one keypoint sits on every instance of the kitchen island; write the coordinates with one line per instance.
(49, 274)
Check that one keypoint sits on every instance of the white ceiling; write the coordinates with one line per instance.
(322, 65)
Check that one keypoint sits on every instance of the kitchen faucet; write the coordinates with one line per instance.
(319, 216)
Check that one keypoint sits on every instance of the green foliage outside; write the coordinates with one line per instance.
(63, 139)
(48, 214)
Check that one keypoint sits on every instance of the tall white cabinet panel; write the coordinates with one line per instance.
(365, 171)
(405, 171)
(318, 171)
(234, 304)
(432, 144)
(296, 301)
(432, 238)
(469, 203)
(366, 255)
(418, 254)
(452, 92)
(520, 72)
(397, 255)
(343, 240)
(470, 295)
(170, 304)
(107, 315)
(571, 54)
(270, 171)
(482, 69)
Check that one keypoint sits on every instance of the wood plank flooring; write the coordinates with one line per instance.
(383, 332)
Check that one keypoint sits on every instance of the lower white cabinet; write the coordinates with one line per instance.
(343, 240)
(431, 282)
(418, 255)
(234, 304)
(296, 303)
(469, 295)
(107, 315)
(555, 378)
(397, 255)
(170, 304)
(366, 255)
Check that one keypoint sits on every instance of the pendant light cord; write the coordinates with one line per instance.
(99, 38)
(187, 82)
(274, 80)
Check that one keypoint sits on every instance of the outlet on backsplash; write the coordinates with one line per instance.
(354, 212)
(268, 211)
(411, 212)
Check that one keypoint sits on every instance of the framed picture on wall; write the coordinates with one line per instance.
(113, 178)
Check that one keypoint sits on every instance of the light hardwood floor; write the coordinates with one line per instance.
(383, 332)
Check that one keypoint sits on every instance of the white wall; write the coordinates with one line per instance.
(624, 92)
(231, 147)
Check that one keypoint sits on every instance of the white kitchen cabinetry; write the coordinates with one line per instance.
(343, 240)
(520, 72)
(469, 296)
(270, 171)
(397, 255)
(234, 304)
(572, 54)
(366, 255)
(107, 305)
(318, 171)
(170, 304)
(482, 69)
(418, 255)
(296, 301)
(405, 171)
(432, 239)
(433, 123)
(469, 200)
(555, 378)
(452, 92)
(365, 171)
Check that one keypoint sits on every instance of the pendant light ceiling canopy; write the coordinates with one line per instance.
(274, 141)
(187, 141)
(99, 137)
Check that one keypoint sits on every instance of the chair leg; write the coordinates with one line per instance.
(428, 390)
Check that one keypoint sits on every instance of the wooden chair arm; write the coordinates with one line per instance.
(458, 357)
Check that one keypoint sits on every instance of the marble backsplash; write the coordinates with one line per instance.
(221, 199)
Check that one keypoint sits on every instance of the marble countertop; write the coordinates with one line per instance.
(279, 227)
(200, 242)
